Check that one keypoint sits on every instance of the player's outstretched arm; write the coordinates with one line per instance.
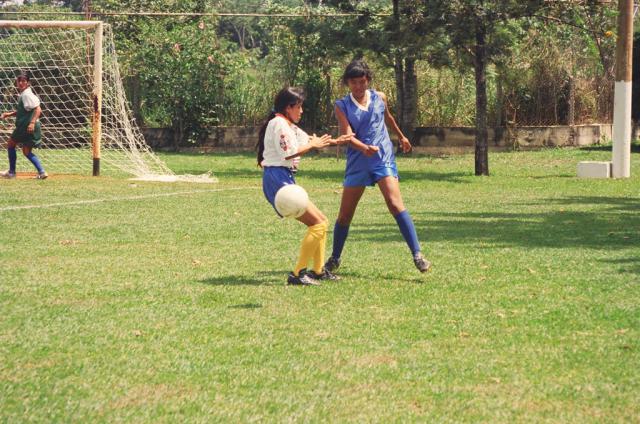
(6, 115)
(340, 140)
(315, 143)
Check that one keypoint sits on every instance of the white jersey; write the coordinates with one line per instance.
(29, 100)
(281, 139)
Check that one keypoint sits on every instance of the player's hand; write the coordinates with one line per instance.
(320, 142)
(405, 145)
(31, 127)
(343, 139)
(370, 150)
(4, 115)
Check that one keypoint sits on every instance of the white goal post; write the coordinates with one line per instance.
(87, 124)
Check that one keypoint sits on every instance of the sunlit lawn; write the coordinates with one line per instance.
(156, 302)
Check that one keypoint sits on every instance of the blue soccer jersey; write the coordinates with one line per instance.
(369, 127)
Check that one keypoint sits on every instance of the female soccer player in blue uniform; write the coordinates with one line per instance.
(280, 144)
(27, 131)
(364, 116)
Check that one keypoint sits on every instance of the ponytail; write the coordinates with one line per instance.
(260, 144)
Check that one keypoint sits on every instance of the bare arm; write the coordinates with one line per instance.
(403, 141)
(345, 129)
(315, 142)
(7, 114)
(36, 114)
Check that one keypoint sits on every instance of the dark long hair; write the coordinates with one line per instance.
(356, 69)
(288, 96)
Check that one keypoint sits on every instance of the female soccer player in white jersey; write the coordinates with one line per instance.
(280, 144)
(364, 116)
(27, 131)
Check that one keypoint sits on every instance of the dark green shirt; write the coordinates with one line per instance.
(23, 119)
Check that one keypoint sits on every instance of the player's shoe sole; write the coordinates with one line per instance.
(303, 279)
(324, 275)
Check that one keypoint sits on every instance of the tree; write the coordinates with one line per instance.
(396, 35)
(473, 30)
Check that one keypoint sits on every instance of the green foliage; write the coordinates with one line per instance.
(184, 68)
(228, 72)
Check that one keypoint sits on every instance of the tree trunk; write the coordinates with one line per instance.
(481, 153)
(499, 108)
(398, 68)
(133, 83)
(327, 96)
(178, 130)
(571, 112)
(406, 85)
(410, 101)
(407, 94)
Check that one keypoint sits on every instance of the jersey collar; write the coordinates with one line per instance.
(364, 107)
(285, 118)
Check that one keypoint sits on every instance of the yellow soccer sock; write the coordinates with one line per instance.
(309, 246)
(318, 256)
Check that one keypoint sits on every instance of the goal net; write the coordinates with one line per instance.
(87, 125)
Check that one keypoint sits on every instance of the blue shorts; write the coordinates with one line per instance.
(370, 177)
(273, 178)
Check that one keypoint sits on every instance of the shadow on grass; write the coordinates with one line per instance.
(277, 279)
(635, 148)
(271, 278)
(613, 225)
(246, 306)
(627, 266)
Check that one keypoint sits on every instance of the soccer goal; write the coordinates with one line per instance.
(87, 125)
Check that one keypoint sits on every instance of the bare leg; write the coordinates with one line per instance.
(390, 189)
(350, 198)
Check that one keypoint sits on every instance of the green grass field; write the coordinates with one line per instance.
(155, 302)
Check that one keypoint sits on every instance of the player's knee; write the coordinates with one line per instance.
(395, 207)
(344, 220)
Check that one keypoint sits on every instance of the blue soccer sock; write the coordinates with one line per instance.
(34, 160)
(13, 158)
(408, 231)
(340, 233)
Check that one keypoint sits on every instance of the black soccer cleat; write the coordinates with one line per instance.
(421, 262)
(303, 279)
(332, 264)
(324, 275)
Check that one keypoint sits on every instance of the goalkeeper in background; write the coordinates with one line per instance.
(27, 131)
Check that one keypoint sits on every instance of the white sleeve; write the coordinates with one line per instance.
(29, 100)
(302, 137)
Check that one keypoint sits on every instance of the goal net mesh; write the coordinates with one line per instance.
(60, 63)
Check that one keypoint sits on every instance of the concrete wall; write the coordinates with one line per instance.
(220, 138)
(521, 137)
(434, 139)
